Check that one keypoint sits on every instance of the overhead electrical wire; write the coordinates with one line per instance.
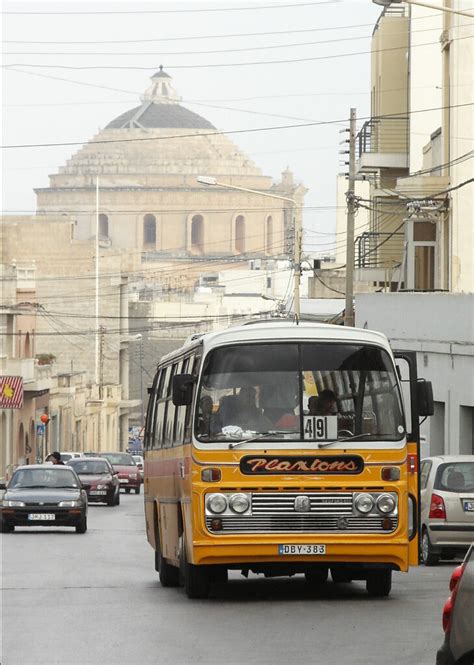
(202, 10)
(165, 54)
(218, 36)
(220, 65)
(228, 132)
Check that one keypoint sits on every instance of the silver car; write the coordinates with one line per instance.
(458, 617)
(447, 506)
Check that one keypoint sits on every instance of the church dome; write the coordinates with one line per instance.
(160, 109)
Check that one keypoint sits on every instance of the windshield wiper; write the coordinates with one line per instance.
(31, 487)
(260, 436)
(346, 438)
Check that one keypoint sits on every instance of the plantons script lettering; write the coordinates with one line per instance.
(262, 465)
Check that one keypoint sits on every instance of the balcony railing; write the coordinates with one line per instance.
(383, 143)
(378, 250)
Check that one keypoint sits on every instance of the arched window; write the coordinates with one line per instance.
(197, 233)
(149, 231)
(27, 346)
(269, 235)
(240, 234)
(103, 226)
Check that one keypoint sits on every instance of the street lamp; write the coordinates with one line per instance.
(209, 180)
(387, 3)
(139, 338)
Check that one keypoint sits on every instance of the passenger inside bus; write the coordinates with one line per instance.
(324, 404)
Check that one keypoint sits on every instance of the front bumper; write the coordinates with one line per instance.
(133, 483)
(393, 554)
(62, 516)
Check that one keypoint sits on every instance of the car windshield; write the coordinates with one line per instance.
(90, 468)
(65, 457)
(137, 459)
(119, 459)
(53, 477)
(286, 391)
(455, 477)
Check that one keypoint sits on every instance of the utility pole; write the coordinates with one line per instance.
(350, 197)
(297, 260)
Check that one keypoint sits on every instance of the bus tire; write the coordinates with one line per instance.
(379, 583)
(196, 579)
(168, 574)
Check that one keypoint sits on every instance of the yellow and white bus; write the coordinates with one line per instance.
(283, 449)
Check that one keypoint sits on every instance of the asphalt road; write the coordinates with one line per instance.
(95, 599)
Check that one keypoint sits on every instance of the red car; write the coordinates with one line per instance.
(128, 472)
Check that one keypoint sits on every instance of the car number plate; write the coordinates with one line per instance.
(123, 480)
(42, 517)
(302, 550)
(469, 506)
(97, 492)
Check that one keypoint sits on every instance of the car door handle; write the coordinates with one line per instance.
(181, 469)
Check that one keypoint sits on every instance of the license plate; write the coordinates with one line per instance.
(97, 492)
(123, 480)
(42, 517)
(468, 506)
(302, 550)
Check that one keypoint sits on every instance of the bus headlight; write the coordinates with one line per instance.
(239, 503)
(364, 503)
(217, 503)
(386, 504)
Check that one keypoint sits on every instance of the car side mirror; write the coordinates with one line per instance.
(183, 389)
(424, 394)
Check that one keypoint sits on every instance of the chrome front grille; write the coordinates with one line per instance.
(329, 512)
(321, 503)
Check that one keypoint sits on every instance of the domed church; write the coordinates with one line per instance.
(145, 164)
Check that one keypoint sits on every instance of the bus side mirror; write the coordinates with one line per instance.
(424, 394)
(183, 389)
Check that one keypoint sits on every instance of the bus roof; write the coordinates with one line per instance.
(280, 331)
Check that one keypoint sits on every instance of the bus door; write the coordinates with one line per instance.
(418, 399)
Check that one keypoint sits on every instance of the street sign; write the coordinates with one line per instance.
(11, 392)
(40, 430)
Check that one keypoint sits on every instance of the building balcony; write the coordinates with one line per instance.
(382, 143)
(379, 257)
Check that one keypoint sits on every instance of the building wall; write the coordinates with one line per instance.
(461, 132)
(443, 337)
(425, 91)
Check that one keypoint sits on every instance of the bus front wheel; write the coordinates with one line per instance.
(379, 583)
(196, 579)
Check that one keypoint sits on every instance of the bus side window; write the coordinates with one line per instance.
(150, 420)
(161, 408)
(180, 413)
(169, 411)
(194, 364)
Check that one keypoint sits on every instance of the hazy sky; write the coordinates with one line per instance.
(194, 49)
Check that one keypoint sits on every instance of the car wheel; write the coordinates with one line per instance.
(112, 500)
(137, 490)
(82, 526)
(117, 498)
(127, 490)
(429, 557)
(379, 583)
(197, 579)
(6, 528)
(316, 576)
(169, 575)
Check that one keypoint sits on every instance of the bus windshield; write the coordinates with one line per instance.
(286, 391)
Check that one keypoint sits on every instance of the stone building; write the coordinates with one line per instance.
(143, 170)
